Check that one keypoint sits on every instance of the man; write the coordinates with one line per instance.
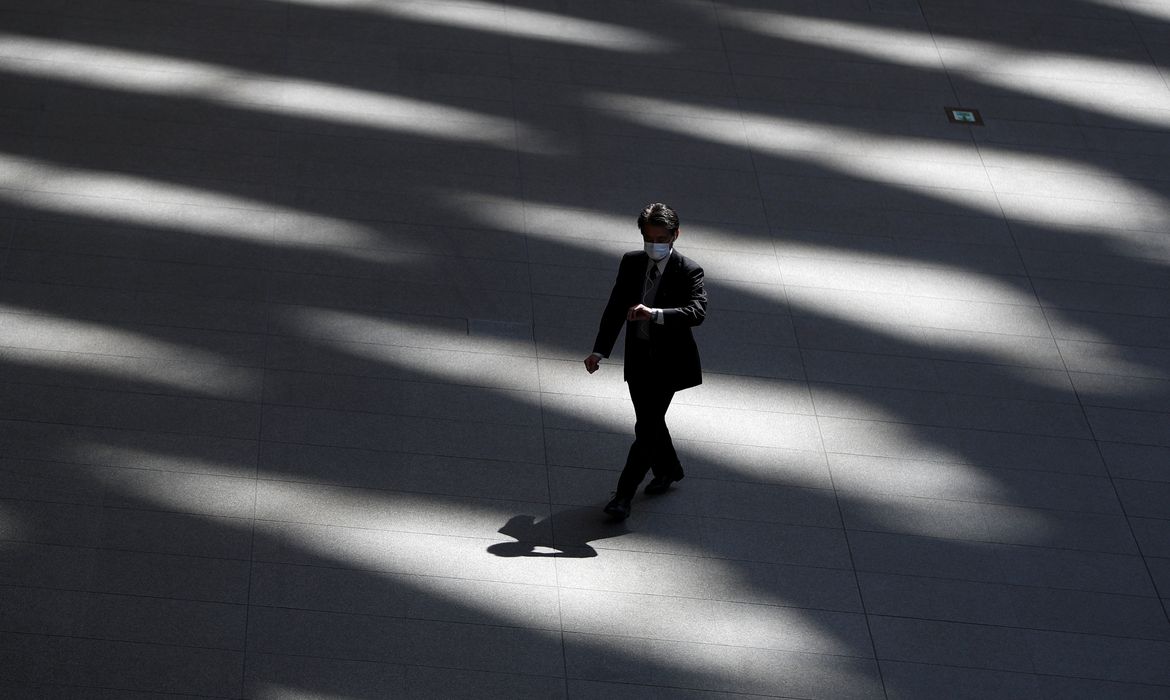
(658, 297)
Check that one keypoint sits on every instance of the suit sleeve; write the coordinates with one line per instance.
(695, 310)
(613, 318)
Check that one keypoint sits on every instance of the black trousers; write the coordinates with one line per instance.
(652, 448)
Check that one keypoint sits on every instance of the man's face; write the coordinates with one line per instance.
(657, 234)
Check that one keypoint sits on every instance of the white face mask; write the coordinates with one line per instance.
(657, 251)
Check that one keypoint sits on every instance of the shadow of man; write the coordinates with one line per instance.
(568, 533)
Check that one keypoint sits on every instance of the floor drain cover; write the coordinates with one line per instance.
(962, 115)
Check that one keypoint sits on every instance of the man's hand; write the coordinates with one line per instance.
(640, 312)
(592, 363)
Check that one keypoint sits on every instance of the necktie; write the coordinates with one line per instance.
(642, 328)
(651, 278)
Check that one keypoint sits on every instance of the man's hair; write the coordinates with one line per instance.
(658, 214)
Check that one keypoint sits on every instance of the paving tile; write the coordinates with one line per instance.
(716, 668)
(1153, 535)
(989, 523)
(476, 271)
(402, 434)
(269, 675)
(1134, 233)
(1143, 462)
(132, 666)
(197, 494)
(872, 403)
(1159, 569)
(401, 471)
(865, 369)
(835, 333)
(113, 372)
(371, 509)
(1144, 498)
(899, 224)
(1093, 268)
(1095, 613)
(936, 599)
(415, 597)
(783, 504)
(906, 681)
(746, 295)
(130, 338)
(599, 689)
(117, 307)
(1118, 392)
(645, 531)
(989, 562)
(304, 237)
(884, 278)
(55, 692)
(1099, 657)
(1107, 298)
(121, 273)
(865, 191)
(932, 642)
(776, 543)
(389, 552)
(197, 454)
(1014, 415)
(763, 329)
(839, 93)
(368, 359)
(711, 578)
(713, 622)
(119, 409)
(434, 399)
(124, 572)
(416, 642)
(750, 359)
(1119, 425)
(415, 332)
(125, 618)
(1106, 358)
(1013, 606)
(858, 475)
(397, 298)
(274, 674)
(1055, 687)
(917, 442)
(120, 528)
(592, 449)
(422, 681)
(992, 348)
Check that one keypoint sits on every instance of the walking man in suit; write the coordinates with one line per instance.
(658, 297)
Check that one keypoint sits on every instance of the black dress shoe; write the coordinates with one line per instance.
(659, 485)
(618, 508)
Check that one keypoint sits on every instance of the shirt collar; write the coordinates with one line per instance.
(661, 263)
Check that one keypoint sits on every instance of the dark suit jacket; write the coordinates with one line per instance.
(671, 353)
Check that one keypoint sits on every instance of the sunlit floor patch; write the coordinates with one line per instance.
(509, 20)
(1082, 195)
(152, 74)
(1116, 88)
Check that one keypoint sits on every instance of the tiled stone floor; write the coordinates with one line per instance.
(294, 295)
